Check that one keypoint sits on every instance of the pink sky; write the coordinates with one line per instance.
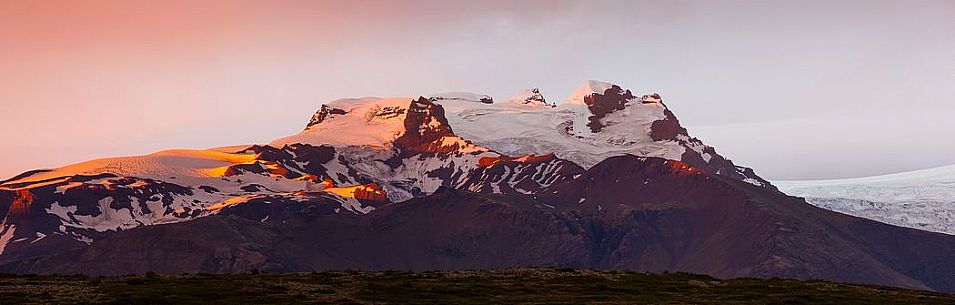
(796, 90)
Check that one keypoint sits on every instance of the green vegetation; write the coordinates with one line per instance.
(527, 286)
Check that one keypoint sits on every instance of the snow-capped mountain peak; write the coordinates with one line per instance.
(323, 113)
(426, 119)
(374, 122)
(598, 120)
(652, 98)
(588, 88)
(426, 129)
(529, 98)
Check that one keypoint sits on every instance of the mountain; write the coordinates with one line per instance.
(922, 199)
(605, 179)
(596, 121)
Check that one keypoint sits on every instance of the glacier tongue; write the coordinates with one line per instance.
(918, 199)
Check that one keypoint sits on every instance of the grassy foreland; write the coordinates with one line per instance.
(512, 286)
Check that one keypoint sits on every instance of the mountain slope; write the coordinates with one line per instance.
(923, 199)
(627, 212)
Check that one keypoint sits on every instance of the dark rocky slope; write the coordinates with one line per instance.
(625, 213)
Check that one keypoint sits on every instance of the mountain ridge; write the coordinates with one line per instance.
(452, 181)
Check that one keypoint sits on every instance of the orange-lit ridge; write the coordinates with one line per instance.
(526, 159)
(308, 177)
(371, 191)
(310, 181)
(21, 202)
(678, 167)
(233, 169)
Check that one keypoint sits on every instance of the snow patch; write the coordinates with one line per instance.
(6, 235)
(39, 236)
(753, 181)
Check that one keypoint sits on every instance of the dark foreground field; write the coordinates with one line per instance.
(534, 286)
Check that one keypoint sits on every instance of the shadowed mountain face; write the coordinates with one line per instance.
(403, 191)
(625, 213)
